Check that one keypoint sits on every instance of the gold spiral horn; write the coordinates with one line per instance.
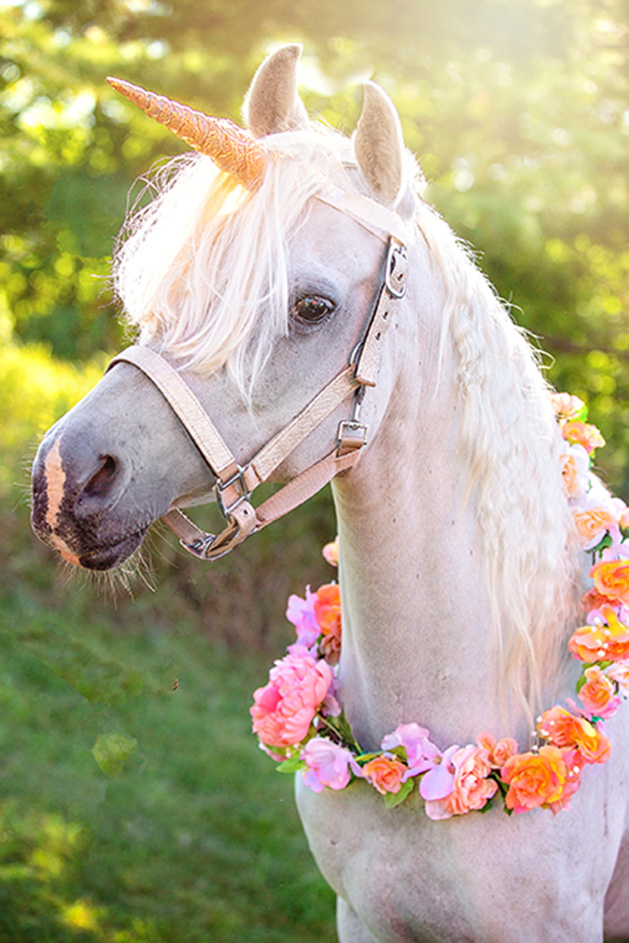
(231, 148)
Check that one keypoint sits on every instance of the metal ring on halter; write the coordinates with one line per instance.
(238, 481)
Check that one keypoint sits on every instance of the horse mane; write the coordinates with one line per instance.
(195, 268)
(510, 444)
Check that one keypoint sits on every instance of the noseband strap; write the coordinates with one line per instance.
(235, 483)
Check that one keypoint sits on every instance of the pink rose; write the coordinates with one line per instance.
(284, 709)
(328, 765)
(331, 552)
(471, 789)
(620, 674)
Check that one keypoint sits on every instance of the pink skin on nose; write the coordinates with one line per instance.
(55, 481)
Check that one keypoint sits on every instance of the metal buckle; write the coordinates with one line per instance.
(352, 433)
(238, 481)
(397, 269)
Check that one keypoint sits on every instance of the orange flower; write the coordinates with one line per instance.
(534, 779)
(601, 642)
(385, 774)
(571, 474)
(593, 523)
(327, 608)
(583, 433)
(498, 751)
(598, 693)
(574, 764)
(564, 729)
(611, 579)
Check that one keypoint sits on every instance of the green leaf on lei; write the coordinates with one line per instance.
(292, 765)
(393, 799)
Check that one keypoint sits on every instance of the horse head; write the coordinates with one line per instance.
(261, 282)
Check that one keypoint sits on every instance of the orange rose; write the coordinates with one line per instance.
(385, 774)
(564, 729)
(570, 474)
(601, 642)
(593, 523)
(574, 765)
(327, 608)
(611, 579)
(498, 751)
(584, 434)
(534, 779)
(598, 693)
(593, 600)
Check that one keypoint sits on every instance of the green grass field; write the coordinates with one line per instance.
(132, 810)
(135, 805)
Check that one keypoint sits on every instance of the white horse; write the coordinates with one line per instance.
(256, 281)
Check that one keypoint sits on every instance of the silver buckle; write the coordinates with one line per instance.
(397, 269)
(237, 479)
(352, 434)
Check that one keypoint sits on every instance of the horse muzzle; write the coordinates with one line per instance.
(74, 500)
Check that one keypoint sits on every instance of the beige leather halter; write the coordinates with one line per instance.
(235, 483)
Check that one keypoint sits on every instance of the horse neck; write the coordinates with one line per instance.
(416, 621)
(418, 637)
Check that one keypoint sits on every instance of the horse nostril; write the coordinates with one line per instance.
(100, 482)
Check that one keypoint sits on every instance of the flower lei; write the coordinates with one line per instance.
(301, 724)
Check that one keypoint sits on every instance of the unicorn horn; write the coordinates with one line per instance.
(231, 148)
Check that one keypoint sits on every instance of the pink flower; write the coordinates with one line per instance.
(567, 406)
(331, 552)
(284, 709)
(421, 754)
(439, 781)
(471, 788)
(620, 674)
(301, 612)
(328, 765)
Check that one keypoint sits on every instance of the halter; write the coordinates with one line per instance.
(235, 483)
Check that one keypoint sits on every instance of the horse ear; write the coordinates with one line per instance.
(272, 103)
(379, 144)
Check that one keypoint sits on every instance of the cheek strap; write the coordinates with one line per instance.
(235, 483)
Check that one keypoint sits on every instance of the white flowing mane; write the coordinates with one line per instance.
(204, 273)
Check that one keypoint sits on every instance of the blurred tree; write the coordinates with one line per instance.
(516, 108)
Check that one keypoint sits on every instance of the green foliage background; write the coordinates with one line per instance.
(131, 810)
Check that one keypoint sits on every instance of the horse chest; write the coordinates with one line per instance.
(482, 878)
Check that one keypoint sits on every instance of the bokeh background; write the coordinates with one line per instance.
(134, 804)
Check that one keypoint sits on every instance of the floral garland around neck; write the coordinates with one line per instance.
(301, 724)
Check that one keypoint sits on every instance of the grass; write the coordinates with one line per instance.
(135, 806)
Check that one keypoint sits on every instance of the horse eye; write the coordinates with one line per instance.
(312, 310)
